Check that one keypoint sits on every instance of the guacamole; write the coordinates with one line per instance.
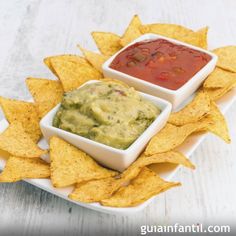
(106, 112)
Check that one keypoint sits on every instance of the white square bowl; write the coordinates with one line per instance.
(175, 97)
(113, 158)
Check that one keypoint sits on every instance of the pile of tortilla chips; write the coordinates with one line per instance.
(71, 166)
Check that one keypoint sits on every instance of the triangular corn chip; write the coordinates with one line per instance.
(107, 43)
(168, 30)
(24, 112)
(215, 123)
(4, 154)
(170, 137)
(95, 190)
(146, 185)
(66, 57)
(132, 32)
(173, 157)
(198, 38)
(18, 143)
(46, 93)
(47, 62)
(217, 93)
(192, 112)
(73, 71)
(226, 58)
(69, 165)
(95, 59)
(220, 78)
(202, 37)
(18, 168)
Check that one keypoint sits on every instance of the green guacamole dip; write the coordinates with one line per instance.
(106, 112)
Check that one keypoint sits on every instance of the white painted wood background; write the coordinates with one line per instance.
(32, 30)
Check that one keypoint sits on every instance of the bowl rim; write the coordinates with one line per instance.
(150, 36)
(167, 106)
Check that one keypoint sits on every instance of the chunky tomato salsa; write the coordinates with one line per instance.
(160, 62)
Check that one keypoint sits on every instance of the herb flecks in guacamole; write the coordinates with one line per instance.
(108, 113)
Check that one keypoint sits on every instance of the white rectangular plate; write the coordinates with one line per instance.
(166, 170)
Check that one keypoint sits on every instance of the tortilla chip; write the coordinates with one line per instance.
(46, 93)
(216, 94)
(4, 154)
(24, 112)
(66, 57)
(107, 43)
(198, 38)
(95, 190)
(202, 37)
(73, 71)
(47, 62)
(95, 59)
(18, 168)
(220, 78)
(167, 30)
(190, 38)
(146, 185)
(18, 143)
(173, 157)
(170, 137)
(215, 123)
(226, 58)
(69, 165)
(178, 32)
(193, 112)
(132, 32)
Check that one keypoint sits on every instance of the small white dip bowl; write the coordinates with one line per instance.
(113, 158)
(176, 97)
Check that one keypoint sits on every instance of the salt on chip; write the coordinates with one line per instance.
(107, 43)
(24, 112)
(73, 71)
(132, 32)
(95, 59)
(46, 93)
(146, 185)
(170, 137)
(192, 112)
(220, 78)
(95, 190)
(18, 143)
(69, 165)
(18, 168)
(215, 123)
(226, 58)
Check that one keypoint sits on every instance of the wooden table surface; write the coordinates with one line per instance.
(32, 30)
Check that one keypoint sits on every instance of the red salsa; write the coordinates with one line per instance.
(160, 62)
